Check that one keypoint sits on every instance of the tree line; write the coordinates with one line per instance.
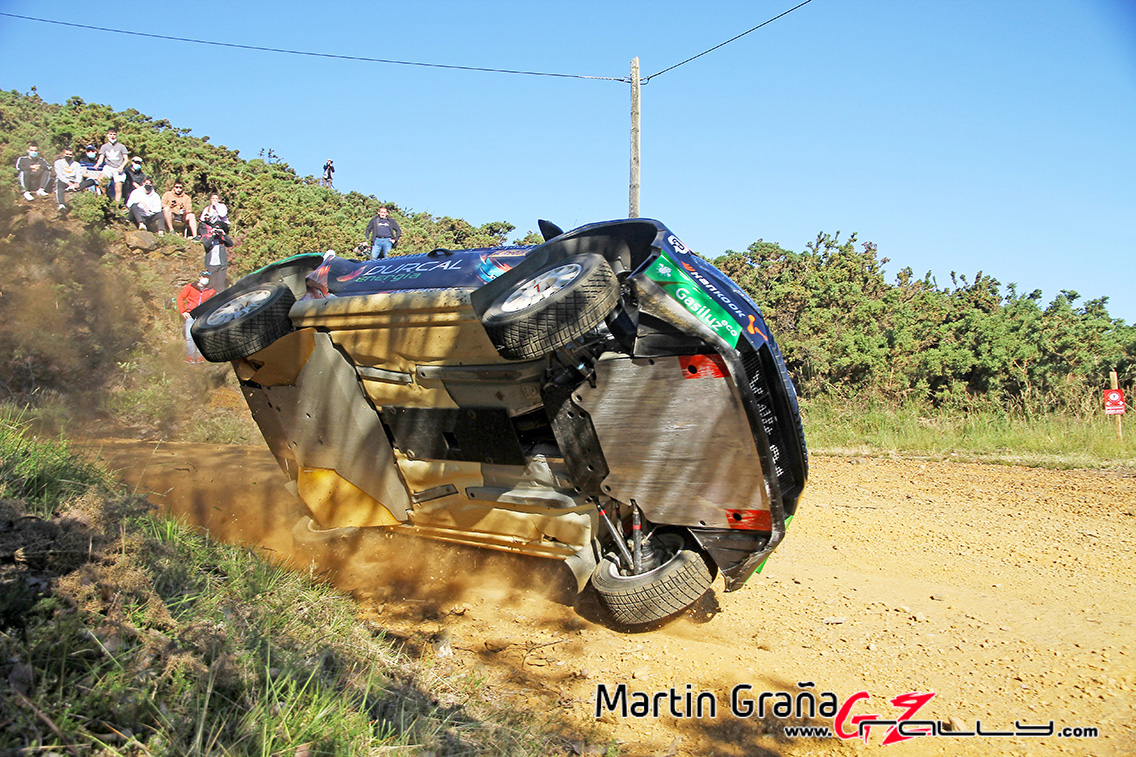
(846, 331)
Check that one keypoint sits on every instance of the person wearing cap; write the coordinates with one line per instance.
(145, 207)
(112, 159)
(193, 294)
(69, 177)
(134, 175)
(178, 209)
(34, 172)
(88, 163)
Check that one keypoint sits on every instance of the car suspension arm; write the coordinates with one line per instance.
(624, 552)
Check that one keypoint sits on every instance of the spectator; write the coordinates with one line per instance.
(215, 212)
(328, 171)
(90, 169)
(178, 209)
(112, 158)
(134, 175)
(69, 177)
(193, 294)
(215, 239)
(34, 171)
(145, 207)
(383, 234)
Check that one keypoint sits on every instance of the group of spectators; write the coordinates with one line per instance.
(112, 170)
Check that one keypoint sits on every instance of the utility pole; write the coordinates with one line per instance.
(634, 211)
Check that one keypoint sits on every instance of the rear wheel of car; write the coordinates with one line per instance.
(683, 576)
(558, 304)
(232, 326)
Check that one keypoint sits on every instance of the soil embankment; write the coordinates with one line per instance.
(1007, 591)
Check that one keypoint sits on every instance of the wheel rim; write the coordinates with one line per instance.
(541, 287)
(237, 307)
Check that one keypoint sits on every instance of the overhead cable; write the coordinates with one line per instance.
(334, 56)
(258, 48)
(646, 79)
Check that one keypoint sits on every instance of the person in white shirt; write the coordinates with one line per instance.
(145, 207)
(112, 158)
(215, 213)
(69, 177)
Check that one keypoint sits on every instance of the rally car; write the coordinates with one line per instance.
(606, 398)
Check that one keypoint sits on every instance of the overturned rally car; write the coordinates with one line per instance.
(606, 398)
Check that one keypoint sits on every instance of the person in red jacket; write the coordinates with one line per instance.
(193, 294)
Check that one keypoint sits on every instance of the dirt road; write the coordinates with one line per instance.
(1008, 592)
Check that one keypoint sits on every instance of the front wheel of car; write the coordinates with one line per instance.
(558, 304)
(233, 325)
(684, 575)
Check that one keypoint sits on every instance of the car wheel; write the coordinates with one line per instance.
(232, 326)
(556, 305)
(684, 575)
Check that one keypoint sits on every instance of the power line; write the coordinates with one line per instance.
(285, 51)
(715, 47)
(257, 48)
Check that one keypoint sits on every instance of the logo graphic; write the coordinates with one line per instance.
(682, 287)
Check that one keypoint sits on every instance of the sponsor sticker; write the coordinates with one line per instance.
(677, 283)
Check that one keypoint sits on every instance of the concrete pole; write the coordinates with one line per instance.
(634, 211)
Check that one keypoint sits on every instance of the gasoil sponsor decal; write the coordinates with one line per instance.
(817, 714)
(732, 302)
(677, 281)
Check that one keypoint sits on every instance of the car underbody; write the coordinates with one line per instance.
(606, 399)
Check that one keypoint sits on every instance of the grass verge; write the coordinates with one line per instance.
(125, 634)
(1051, 441)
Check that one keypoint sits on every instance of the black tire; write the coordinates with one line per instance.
(561, 302)
(236, 324)
(684, 576)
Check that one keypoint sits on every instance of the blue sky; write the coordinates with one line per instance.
(957, 135)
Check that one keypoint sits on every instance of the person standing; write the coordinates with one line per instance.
(69, 177)
(34, 172)
(328, 172)
(112, 159)
(146, 207)
(383, 233)
(215, 239)
(193, 294)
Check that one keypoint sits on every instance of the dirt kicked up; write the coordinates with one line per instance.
(952, 597)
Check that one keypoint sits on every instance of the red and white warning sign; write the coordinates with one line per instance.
(1114, 401)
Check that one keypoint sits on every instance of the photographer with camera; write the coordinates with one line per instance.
(214, 226)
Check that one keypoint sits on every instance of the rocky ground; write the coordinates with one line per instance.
(1006, 591)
